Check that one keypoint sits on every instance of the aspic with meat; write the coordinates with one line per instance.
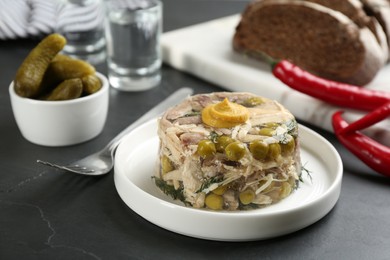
(228, 151)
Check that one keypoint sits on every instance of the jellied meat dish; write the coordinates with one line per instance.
(228, 151)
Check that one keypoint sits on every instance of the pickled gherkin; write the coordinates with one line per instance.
(63, 68)
(68, 89)
(61, 57)
(28, 80)
(46, 74)
(91, 84)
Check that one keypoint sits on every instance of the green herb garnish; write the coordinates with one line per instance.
(208, 182)
(249, 206)
(192, 113)
(169, 189)
(292, 127)
(213, 137)
(308, 173)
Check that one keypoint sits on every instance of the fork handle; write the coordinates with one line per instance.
(152, 113)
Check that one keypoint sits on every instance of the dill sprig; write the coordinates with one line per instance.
(292, 127)
(192, 113)
(208, 182)
(307, 171)
(213, 137)
(169, 189)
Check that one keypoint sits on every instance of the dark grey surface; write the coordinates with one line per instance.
(49, 214)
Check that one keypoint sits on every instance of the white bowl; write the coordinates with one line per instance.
(61, 123)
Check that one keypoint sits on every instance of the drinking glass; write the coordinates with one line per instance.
(133, 30)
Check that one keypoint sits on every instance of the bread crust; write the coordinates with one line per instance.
(354, 10)
(380, 11)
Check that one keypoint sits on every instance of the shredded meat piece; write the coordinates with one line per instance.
(187, 120)
(191, 138)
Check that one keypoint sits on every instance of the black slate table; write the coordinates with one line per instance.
(49, 214)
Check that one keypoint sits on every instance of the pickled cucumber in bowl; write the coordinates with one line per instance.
(45, 74)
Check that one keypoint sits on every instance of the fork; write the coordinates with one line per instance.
(102, 162)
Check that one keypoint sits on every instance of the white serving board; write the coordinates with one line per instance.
(205, 50)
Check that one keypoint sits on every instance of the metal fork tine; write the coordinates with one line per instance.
(74, 168)
(82, 169)
(52, 165)
(79, 168)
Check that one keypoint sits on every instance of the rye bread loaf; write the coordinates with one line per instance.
(351, 8)
(380, 9)
(316, 38)
(354, 10)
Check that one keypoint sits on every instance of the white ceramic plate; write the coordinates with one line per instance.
(135, 163)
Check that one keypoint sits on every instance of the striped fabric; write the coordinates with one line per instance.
(27, 18)
(131, 4)
(75, 17)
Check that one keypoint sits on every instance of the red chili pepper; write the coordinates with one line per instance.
(336, 93)
(372, 153)
(370, 119)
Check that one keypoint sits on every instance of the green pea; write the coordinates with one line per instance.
(259, 149)
(235, 151)
(220, 190)
(272, 125)
(285, 190)
(166, 165)
(247, 196)
(274, 151)
(266, 131)
(222, 142)
(214, 201)
(253, 101)
(289, 147)
(206, 148)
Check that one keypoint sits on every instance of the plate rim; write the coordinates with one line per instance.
(332, 193)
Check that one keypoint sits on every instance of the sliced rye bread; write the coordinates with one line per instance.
(316, 38)
(380, 9)
(355, 11)
(351, 8)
